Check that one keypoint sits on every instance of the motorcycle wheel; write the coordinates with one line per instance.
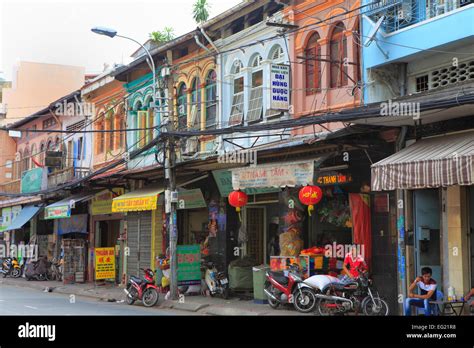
(16, 273)
(42, 277)
(150, 297)
(304, 300)
(380, 308)
(225, 293)
(269, 287)
(130, 298)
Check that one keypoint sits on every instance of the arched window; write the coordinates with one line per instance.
(26, 160)
(33, 158)
(196, 103)
(18, 165)
(109, 121)
(182, 107)
(237, 109)
(313, 64)
(357, 48)
(119, 124)
(277, 53)
(42, 152)
(338, 56)
(211, 99)
(255, 110)
(100, 140)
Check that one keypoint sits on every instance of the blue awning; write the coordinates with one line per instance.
(26, 214)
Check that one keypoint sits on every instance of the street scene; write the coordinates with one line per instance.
(294, 158)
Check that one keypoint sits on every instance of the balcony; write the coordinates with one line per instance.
(11, 186)
(401, 14)
(63, 176)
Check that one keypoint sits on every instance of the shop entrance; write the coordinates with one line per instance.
(255, 222)
(107, 233)
(426, 204)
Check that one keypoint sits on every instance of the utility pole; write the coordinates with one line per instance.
(170, 176)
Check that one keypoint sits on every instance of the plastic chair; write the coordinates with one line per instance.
(434, 308)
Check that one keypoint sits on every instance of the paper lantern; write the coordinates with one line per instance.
(238, 199)
(310, 195)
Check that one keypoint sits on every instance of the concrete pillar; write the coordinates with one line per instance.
(457, 253)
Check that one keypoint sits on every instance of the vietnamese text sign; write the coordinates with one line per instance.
(280, 87)
(189, 264)
(101, 204)
(34, 180)
(223, 179)
(57, 212)
(191, 199)
(105, 263)
(134, 204)
(275, 175)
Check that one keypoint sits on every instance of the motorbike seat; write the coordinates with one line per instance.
(343, 286)
(136, 279)
(279, 277)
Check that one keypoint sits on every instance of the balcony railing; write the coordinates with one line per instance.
(62, 176)
(400, 14)
(13, 186)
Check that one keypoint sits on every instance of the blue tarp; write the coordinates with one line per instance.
(26, 214)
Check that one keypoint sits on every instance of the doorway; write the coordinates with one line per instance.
(426, 205)
(255, 218)
(471, 232)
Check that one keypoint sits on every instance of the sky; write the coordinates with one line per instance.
(58, 31)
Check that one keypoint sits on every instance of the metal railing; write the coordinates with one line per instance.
(65, 175)
(400, 14)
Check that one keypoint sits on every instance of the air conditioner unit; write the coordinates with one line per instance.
(191, 146)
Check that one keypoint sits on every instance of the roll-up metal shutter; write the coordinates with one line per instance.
(139, 242)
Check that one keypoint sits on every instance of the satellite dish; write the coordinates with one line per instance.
(373, 32)
(372, 36)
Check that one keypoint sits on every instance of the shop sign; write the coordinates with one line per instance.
(223, 179)
(8, 215)
(288, 174)
(57, 212)
(280, 87)
(189, 264)
(191, 199)
(333, 178)
(105, 263)
(134, 204)
(101, 204)
(34, 180)
(73, 224)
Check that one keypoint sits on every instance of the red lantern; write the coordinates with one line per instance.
(238, 199)
(310, 195)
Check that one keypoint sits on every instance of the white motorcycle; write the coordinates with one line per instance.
(216, 282)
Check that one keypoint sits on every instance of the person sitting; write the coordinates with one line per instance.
(353, 264)
(427, 287)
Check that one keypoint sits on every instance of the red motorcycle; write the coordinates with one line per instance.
(288, 287)
(143, 290)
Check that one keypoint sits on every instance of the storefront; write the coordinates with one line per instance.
(107, 231)
(435, 217)
(143, 227)
(71, 231)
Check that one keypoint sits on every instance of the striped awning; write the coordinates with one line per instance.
(429, 163)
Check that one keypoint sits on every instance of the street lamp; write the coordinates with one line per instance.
(151, 64)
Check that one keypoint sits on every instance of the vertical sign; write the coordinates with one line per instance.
(105, 263)
(280, 87)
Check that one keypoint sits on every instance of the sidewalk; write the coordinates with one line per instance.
(198, 304)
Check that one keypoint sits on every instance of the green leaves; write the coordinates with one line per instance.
(201, 11)
(162, 36)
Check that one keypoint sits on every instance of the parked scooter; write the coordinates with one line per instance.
(216, 281)
(56, 270)
(11, 267)
(142, 289)
(341, 296)
(37, 270)
(289, 287)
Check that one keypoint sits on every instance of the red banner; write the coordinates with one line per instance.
(361, 225)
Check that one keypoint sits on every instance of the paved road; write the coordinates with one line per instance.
(24, 301)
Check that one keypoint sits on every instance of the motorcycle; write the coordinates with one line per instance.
(336, 296)
(216, 281)
(11, 267)
(142, 289)
(288, 287)
(37, 270)
(56, 270)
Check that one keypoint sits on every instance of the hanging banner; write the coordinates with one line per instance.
(34, 180)
(223, 180)
(105, 263)
(57, 212)
(274, 175)
(8, 215)
(189, 264)
(280, 87)
(73, 224)
(101, 204)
